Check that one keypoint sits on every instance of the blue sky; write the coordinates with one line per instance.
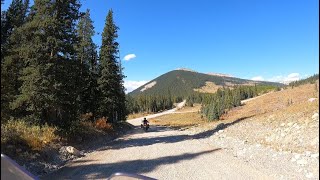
(274, 40)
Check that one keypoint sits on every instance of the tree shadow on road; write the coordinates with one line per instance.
(102, 171)
(136, 142)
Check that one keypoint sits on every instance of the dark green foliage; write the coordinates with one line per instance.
(86, 49)
(87, 58)
(50, 69)
(148, 103)
(11, 19)
(110, 82)
(49, 88)
(311, 79)
(11, 65)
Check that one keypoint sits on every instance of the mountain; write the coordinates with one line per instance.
(183, 82)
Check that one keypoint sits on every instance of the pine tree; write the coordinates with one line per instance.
(3, 33)
(11, 65)
(86, 49)
(49, 87)
(86, 54)
(11, 19)
(112, 102)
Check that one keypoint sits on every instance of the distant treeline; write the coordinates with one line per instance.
(311, 79)
(216, 104)
(151, 103)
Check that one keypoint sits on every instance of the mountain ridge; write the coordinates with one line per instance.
(183, 82)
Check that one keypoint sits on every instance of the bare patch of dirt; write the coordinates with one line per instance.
(150, 85)
(210, 87)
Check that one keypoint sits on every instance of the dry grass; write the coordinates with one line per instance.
(278, 102)
(137, 115)
(210, 87)
(195, 108)
(20, 133)
(178, 120)
(265, 115)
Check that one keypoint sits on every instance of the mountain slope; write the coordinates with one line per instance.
(183, 82)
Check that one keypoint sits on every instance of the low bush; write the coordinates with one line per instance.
(20, 133)
(102, 124)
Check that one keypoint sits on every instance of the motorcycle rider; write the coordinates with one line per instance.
(144, 122)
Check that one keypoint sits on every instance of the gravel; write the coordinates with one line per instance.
(161, 153)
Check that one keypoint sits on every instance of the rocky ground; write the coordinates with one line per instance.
(276, 132)
(297, 165)
(56, 155)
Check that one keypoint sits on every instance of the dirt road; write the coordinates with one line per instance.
(161, 153)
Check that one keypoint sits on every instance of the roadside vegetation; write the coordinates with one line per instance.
(55, 85)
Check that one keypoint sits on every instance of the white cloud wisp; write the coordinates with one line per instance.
(132, 85)
(286, 79)
(128, 57)
(281, 79)
(257, 78)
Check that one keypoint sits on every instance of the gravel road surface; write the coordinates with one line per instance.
(160, 153)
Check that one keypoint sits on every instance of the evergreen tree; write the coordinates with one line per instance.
(11, 65)
(110, 82)
(11, 19)
(3, 32)
(86, 49)
(49, 87)
(86, 54)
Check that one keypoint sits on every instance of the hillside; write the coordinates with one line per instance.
(183, 82)
(278, 131)
(284, 120)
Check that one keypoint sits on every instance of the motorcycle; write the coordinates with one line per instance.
(145, 127)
